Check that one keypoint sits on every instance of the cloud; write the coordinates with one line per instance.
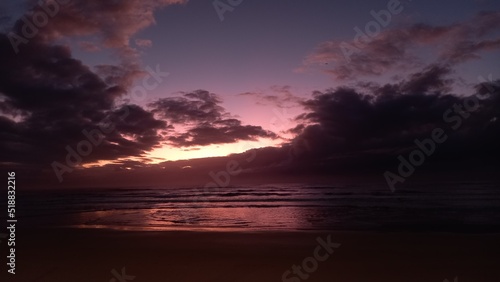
(350, 134)
(111, 24)
(344, 132)
(115, 22)
(222, 132)
(281, 97)
(369, 129)
(398, 48)
(208, 122)
(194, 107)
(49, 99)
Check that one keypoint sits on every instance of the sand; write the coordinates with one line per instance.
(72, 255)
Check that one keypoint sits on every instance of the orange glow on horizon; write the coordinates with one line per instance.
(168, 153)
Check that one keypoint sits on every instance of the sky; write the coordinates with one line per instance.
(157, 89)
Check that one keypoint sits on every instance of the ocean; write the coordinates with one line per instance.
(465, 207)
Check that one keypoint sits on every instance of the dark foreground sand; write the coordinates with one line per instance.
(70, 255)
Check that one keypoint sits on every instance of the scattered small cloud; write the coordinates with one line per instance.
(143, 42)
(398, 49)
(278, 96)
(206, 120)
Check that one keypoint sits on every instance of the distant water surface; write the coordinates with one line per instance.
(459, 206)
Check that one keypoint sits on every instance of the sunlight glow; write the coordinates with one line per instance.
(168, 153)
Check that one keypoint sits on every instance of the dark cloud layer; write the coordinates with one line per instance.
(370, 129)
(52, 104)
(361, 132)
(354, 133)
(50, 98)
(50, 101)
(208, 122)
(195, 107)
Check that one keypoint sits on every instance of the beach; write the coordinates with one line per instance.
(63, 255)
(275, 233)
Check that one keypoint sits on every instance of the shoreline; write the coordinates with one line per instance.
(428, 229)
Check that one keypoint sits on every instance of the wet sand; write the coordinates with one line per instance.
(72, 255)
